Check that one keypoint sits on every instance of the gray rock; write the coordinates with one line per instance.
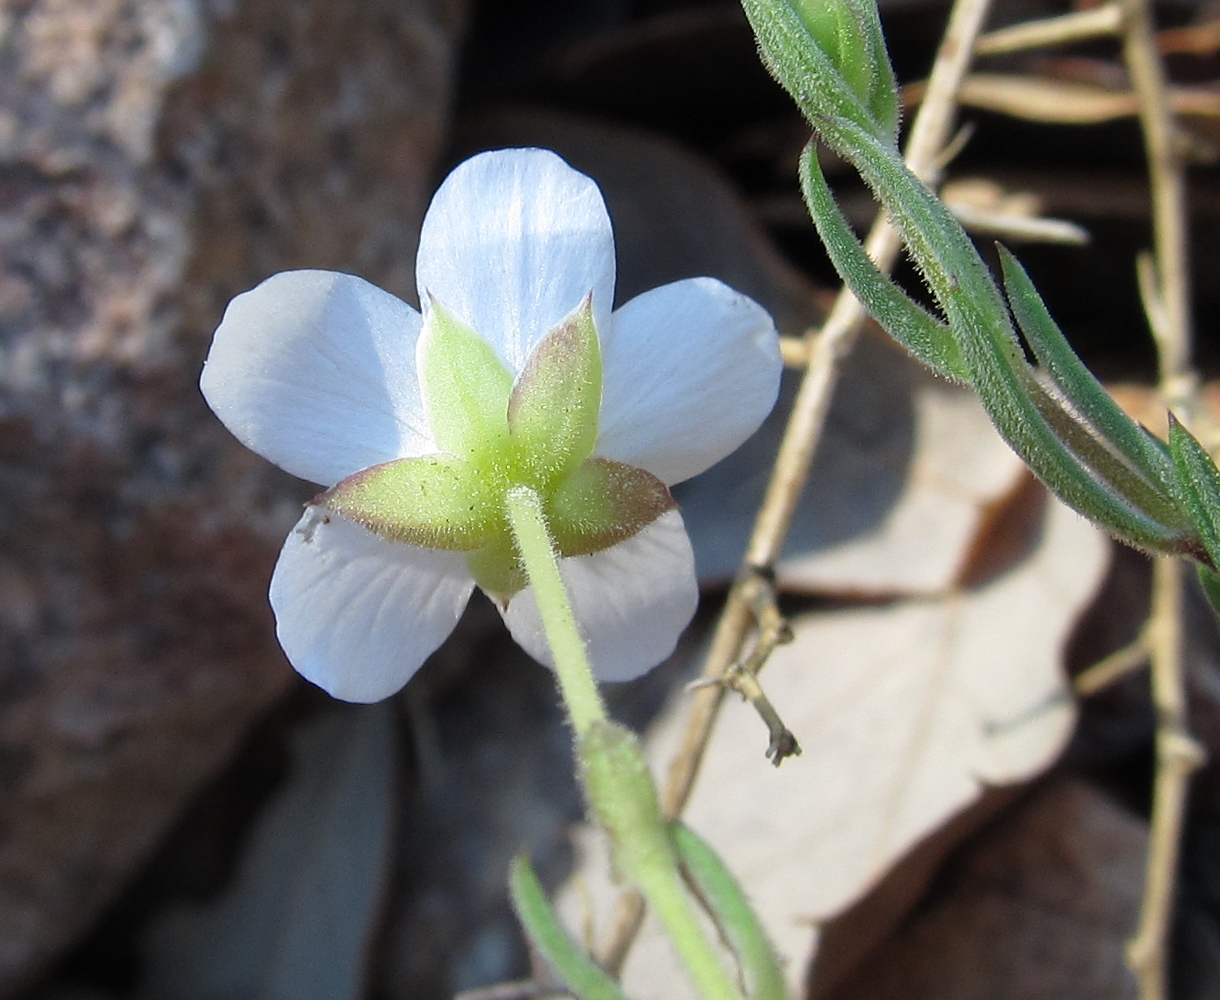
(157, 157)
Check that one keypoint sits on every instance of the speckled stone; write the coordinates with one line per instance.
(157, 157)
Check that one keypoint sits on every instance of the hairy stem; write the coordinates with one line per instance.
(533, 537)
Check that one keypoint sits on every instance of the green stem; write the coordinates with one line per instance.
(617, 780)
(533, 537)
(666, 894)
(623, 798)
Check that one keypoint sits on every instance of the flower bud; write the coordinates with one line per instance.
(830, 56)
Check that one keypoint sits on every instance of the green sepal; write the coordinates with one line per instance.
(921, 333)
(599, 504)
(497, 568)
(603, 503)
(466, 386)
(730, 910)
(435, 502)
(1198, 486)
(580, 974)
(555, 405)
(493, 435)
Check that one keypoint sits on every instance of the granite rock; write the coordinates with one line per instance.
(157, 157)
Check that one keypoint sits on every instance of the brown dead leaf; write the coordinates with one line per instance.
(956, 468)
(907, 713)
(1040, 906)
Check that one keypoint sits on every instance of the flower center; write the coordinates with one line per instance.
(495, 434)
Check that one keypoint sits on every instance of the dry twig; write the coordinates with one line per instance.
(827, 348)
(1078, 26)
(1111, 668)
(1166, 289)
(1177, 755)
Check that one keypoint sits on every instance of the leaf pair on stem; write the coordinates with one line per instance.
(1057, 417)
(706, 875)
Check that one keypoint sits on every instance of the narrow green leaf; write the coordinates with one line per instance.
(1111, 469)
(991, 354)
(1199, 485)
(978, 317)
(580, 974)
(939, 246)
(917, 330)
(1010, 393)
(1081, 388)
(728, 907)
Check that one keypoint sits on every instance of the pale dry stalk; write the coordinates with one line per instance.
(1078, 26)
(1177, 755)
(1166, 288)
(1114, 667)
(827, 347)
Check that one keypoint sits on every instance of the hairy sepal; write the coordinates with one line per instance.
(435, 502)
(556, 402)
(603, 503)
(465, 385)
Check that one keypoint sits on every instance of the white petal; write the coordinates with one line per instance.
(315, 371)
(358, 615)
(513, 241)
(631, 601)
(691, 370)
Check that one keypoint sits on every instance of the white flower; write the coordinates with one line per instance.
(320, 373)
